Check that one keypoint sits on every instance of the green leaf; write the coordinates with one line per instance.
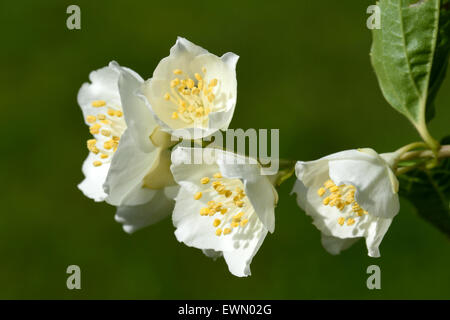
(440, 60)
(410, 54)
(429, 192)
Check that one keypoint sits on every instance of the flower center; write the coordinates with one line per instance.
(193, 99)
(107, 127)
(229, 203)
(343, 198)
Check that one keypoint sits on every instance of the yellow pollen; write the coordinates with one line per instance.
(177, 71)
(218, 232)
(211, 97)
(211, 203)
(212, 83)
(350, 221)
(204, 180)
(97, 163)
(198, 77)
(95, 128)
(334, 188)
(101, 116)
(228, 193)
(204, 70)
(341, 221)
(197, 195)
(174, 82)
(216, 222)
(240, 204)
(190, 83)
(215, 184)
(174, 115)
(328, 184)
(98, 103)
(204, 211)
(115, 138)
(321, 191)
(106, 133)
(111, 112)
(326, 201)
(119, 113)
(217, 175)
(103, 156)
(223, 210)
(91, 119)
(226, 231)
(108, 144)
(234, 224)
(167, 96)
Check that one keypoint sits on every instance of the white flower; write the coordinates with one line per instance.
(192, 91)
(349, 194)
(222, 207)
(129, 164)
(102, 111)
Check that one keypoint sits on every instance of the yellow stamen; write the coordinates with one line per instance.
(212, 83)
(197, 195)
(244, 222)
(98, 103)
(95, 129)
(97, 163)
(321, 192)
(204, 180)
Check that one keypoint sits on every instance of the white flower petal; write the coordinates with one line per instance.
(372, 179)
(335, 245)
(258, 188)
(230, 59)
(239, 260)
(103, 86)
(375, 234)
(213, 254)
(139, 119)
(129, 166)
(181, 55)
(92, 185)
(134, 218)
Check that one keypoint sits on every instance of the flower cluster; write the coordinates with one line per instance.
(225, 205)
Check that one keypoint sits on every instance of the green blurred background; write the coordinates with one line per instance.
(304, 69)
